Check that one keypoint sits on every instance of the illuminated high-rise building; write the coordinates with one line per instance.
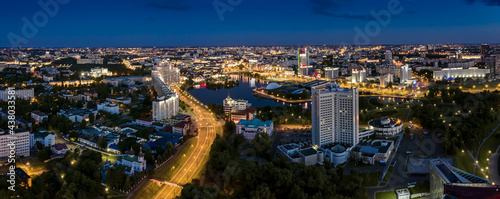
(388, 57)
(405, 73)
(335, 115)
(303, 62)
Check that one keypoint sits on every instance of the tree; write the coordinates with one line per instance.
(91, 118)
(83, 124)
(39, 145)
(407, 131)
(102, 142)
(127, 184)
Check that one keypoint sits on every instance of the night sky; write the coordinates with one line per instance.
(161, 23)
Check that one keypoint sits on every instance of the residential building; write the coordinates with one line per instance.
(388, 57)
(144, 122)
(165, 107)
(4, 114)
(97, 72)
(386, 79)
(335, 115)
(358, 75)
(122, 100)
(26, 94)
(331, 73)
(405, 74)
(42, 136)
(77, 114)
(90, 61)
(22, 142)
(39, 116)
(249, 128)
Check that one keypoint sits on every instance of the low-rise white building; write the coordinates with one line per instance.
(108, 107)
(44, 137)
(39, 116)
(295, 153)
(472, 72)
(77, 114)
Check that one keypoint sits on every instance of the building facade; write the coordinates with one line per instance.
(331, 73)
(405, 73)
(335, 115)
(26, 94)
(108, 107)
(230, 104)
(22, 142)
(472, 72)
(250, 128)
(165, 107)
(358, 75)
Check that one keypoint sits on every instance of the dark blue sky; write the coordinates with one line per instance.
(126, 23)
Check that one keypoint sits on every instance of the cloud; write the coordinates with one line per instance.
(177, 5)
(485, 2)
(331, 7)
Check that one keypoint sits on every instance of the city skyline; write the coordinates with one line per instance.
(249, 23)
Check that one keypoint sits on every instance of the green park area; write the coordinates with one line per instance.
(386, 195)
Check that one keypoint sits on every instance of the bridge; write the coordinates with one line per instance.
(160, 182)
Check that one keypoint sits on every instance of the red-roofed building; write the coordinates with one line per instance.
(181, 128)
(59, 149)
(144, 122)
(247, 114)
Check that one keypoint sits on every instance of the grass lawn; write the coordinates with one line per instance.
(385, 195)
(148, 190)
(489, 145)
(421, 188)
(112, 159)
(369, 179)
(387, 176)
(166, 172)
(464, 162)
(478, 87)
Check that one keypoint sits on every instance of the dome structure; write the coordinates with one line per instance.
(272, 86)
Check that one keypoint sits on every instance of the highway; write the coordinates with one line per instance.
(206, 124)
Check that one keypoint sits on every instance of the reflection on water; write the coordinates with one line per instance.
(242, 91)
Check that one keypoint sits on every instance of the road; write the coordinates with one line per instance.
(206, 135)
